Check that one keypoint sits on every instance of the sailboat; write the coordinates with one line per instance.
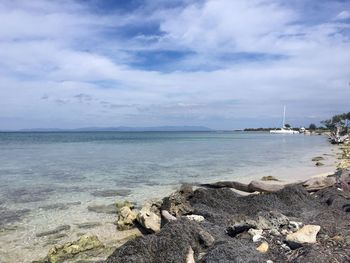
(284, 129)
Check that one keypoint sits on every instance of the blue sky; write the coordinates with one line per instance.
(219, 63)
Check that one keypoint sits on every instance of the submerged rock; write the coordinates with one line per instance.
(61, 253)
(106, 209)
(53, 231)
(126, 218)
(11, 216)
(318, 158)
(125, 203)
(59, 206)
(27, 195)
(87, 225)
(269, 178)
(111, 193)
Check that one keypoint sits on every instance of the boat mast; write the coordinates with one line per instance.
(284, 116)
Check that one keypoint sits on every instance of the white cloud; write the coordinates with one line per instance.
(61, 51)
(343, 15)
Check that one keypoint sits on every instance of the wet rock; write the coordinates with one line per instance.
(318, 158)
(126, 218)
(319, 164)
(59, 206)
(206, 238)
(196, 218)
(111, 193)
(105, 209)
(11, 216)
(61, 253)
(88, 225)
(306, 234)
(149, 218)
(53, 231)
(177, 203)
(27, 195)
(269, 178)
(263, 248)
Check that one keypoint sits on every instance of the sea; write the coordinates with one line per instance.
(50, 179)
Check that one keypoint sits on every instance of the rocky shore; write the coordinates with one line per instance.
(263, 221)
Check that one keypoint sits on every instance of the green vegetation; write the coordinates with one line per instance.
(342, 120)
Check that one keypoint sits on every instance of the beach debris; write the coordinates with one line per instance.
(111, 193)
(126, 218)
(190, 256)
(256, 234)
(269, 178)
(206, 238)
(307, 234)
(318, 183)
(263, 248)
(177, 203)
(53, 231)
(61, 253)
(149, 218)
(197, 218)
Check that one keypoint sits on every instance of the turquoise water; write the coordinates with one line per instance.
(38, 169)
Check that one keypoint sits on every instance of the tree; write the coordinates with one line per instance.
(287, 125)
(312, 127)
(342, 120)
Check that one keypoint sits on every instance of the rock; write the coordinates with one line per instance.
(53, 231)
(318, 158)
(269, 178)
(285, 247)
(149, 219)
(294, 226)
(177, 203)
(319, 164)
(318, 183)
(111, 193)
(263, 248)
(269, 261)
(265, 187)
(190, 256)
(239, 228)
(61, 253)
(87, 225)
(196, 218)
(206, 239)
(275, 232)
(167, 216)
(271, 220)
(8, 216)
(256, 234)
(106, 209)
(126, 218)
(306, 234)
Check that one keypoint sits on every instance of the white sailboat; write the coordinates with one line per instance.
(284, 129)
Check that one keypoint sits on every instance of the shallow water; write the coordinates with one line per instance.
(49, 179)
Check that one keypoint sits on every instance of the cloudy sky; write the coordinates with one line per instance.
(220, 63)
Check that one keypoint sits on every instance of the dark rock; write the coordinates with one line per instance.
(11, 216)
(111, 193)
(106, 209)
(59, 206)
(177, 204)
(88, 225)
(27, 195)
(239, 228)
(53, 231)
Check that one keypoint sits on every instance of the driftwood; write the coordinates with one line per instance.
(311, 185)
(253, 186)
(167, 216)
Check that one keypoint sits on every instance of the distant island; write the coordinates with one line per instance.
(122, 129)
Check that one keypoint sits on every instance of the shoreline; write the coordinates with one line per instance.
(134, 234)
(109, 237)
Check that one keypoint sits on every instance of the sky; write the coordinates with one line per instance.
(224, 64)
